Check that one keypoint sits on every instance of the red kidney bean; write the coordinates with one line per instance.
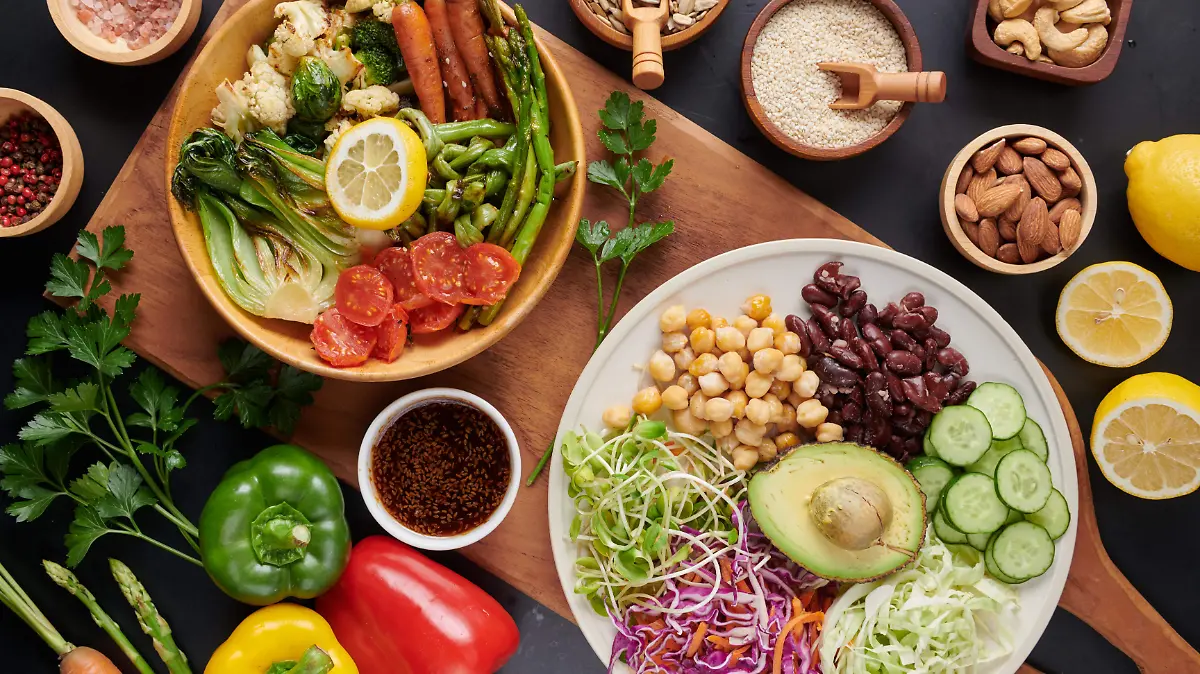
(856, 396)
(939, 386)
(878, 399)
(940, 336)
(895, 447)
(854, 433)
(895, 389)
(910, 322)
(847, 330)
(795, 325)
(903, 362)
(924, 418)
(907, 428)
(827, 277)
(814, 295)
(887, 314)
(912, 301)
(876, 430)
(902, 340)
(847, 285)
(931, 350)
(911, 447)
(827, 319)
(868, 314)
(960, 394)
(930, 314)
(851, 413)
(955, 361)
(820, 343)
(902, 411)
(854, 303)
(844, 355)
(920, 395)
(863, 350)
(833, 372)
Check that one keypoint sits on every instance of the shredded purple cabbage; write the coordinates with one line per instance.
(653, 637)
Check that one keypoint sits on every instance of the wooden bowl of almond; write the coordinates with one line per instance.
(1018, 199)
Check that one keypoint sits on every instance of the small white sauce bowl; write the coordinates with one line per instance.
(371, 496)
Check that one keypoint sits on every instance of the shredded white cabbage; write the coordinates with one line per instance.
(941, 615)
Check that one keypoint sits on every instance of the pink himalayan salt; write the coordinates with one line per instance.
(138, 22)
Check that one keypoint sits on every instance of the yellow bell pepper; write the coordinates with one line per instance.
(275, 634)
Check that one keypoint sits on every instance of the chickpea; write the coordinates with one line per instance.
(785, 440)
(674, 397)
(791, 367)
(698, 318)
(786, 423)
(829, 433)
(787, 342)
(617, 416)
(767, 450)
(749, 433)
(662, 367)
(673, 342)
(729, 364)
(719, 322)
(767, 360)
(713, 384)
(807, 384)
(647, 401)
(684, 422)
(727, 443)
(704, 363)
(739, 400)
(759, 339)
(673, 319)
(758, 411)
(744, 457)
(718, 409)
(794, 399)
(703, 340)
(757, 384)
(737, 378)
(745, 324)
(696, 404)
(810, 414)
(780, 389)
(775, 406)
(688, 383)
(684, 358)
(775, 322)
(729, 339)
(758, 307)
(721, 429)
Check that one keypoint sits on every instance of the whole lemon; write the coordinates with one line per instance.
(1164, 196)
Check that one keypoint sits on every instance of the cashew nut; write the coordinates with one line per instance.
(1062, 5)
(1045, 59)
(1011, 9)
(994, 10)
(1051, 36)
(1089, 11)
(1016, 49)
(1019, 30)
(1085, 54)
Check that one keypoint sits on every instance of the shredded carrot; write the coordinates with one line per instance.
(743, 587)
(737, 655)
(807, 597)
(697, 639)
(720, 642)
(658, 624)
(800, 619)
(726, 571)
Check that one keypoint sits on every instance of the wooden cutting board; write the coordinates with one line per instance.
(719, 198)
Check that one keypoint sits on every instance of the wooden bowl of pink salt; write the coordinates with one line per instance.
(126, 32)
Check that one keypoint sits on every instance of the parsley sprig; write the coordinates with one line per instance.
(139, 450)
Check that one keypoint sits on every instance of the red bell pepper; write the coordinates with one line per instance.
(398, 612)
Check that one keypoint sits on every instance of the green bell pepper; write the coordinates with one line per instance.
(275, 527)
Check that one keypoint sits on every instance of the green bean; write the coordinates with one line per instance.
(564, 170)
(451, 132)
(434, 196)
(453, 151)
(524, 198)
(442, 168)
(448, 209)
(468, 318)
(496, 158)
(415, 225)
(472, 195)
(465, 231)
(483, 216)
(497, 180)
(472, 153)
(425, 129)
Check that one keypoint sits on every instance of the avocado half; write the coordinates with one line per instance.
(841, 510)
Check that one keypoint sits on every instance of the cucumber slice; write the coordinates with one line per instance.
(1055, 517)
(1014, 516)
(927, 446)
(999, 449)
(1023, 550)
(972, 506)
(944, 531)
(1033, 439)
(979, 541)
(1003, 406)
(989, 562)
(933, 474)
(1023, 481)
(960, 434)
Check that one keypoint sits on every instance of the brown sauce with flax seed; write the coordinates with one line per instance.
(442, 468)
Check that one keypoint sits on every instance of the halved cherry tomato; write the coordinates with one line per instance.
(435, 317)
(396, 264)
(340, 342)
(439, 267)
(393, 335)
(491, 271)
(363, 295)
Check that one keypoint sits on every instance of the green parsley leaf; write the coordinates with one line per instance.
(125, 308)
(641, 136)
(81, 398)
(126, 493)
(34, 383)
(112, 254)
(619, 112)
(243, 361)
(84, 530)
(48, 427)
(97, 343)
(641, 237)
(294, 390)
(152, 394)
(249, 402)
(47, 332)
(68, 278)
(592, 236)
(603, 173)
(93, 485)
(649, 177)
(614, 141)
(35, 501)
(23, 467)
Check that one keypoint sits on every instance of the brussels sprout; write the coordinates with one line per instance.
(316, 91)
(380, 66)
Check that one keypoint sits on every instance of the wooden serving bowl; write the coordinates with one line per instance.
(912, 50)
(950, 223)
(622, 41)
(117, 53)
(984, 50)
(224, 58)
(13, 102)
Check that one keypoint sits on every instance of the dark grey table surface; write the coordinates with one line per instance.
(891, 192)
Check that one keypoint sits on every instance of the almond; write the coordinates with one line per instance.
(1007, 229)
(1009, 162)
(1068, 204)
(981, 183)
(1071, 182)
(1056, 159)
(1032, 229)
(971, 229)
(1009, 253)
(1069, 230)
(989, 238)
(1030, 145)
(965, 208)
(986, 158)
(1050, 242)
(964, 179)
(996, 200)
(1043, 181)
(1017, 208)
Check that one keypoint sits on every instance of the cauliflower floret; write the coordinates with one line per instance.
(254, 55)
(371, 102)
(342, 62)
(383, 10)
(232, 114)
(359, 5)
(303, 22)
(336, 127)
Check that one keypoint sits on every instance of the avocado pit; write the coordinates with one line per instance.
(851, 512)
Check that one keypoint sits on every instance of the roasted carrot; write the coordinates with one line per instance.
(455, 77)
(420, 56)
(85, 660)
(466, 23)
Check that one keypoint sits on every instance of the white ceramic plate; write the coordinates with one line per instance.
(780, 269)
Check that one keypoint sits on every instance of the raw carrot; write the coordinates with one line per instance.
(466, 23)
(697, 639)
(85, 660)
(455, 77)
(415, 38)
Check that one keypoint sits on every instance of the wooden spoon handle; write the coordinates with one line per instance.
(647, 56)
(911, 87)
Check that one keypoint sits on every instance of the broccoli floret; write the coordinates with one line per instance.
(379, 66)
(374, 34)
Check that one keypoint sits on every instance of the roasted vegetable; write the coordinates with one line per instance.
(316, 90)
(374, 35)
(379, 66)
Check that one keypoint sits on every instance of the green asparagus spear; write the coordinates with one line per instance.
(526, 237)
(564, 170)
(151, 621)
(69, 582)
(524, 198)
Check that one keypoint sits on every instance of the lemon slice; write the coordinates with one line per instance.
(376, 174)
(1146, 436)
(1114, 313)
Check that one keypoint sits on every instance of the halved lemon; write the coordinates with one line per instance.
(376, 174)
(1115, 314)
(1146, 436)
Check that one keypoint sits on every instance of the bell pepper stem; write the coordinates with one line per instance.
(314, 661)
(280, 535)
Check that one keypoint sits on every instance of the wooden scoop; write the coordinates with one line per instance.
(862, 85)
(646, 25)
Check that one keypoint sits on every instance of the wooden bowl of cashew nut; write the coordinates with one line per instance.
(1071, 42)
